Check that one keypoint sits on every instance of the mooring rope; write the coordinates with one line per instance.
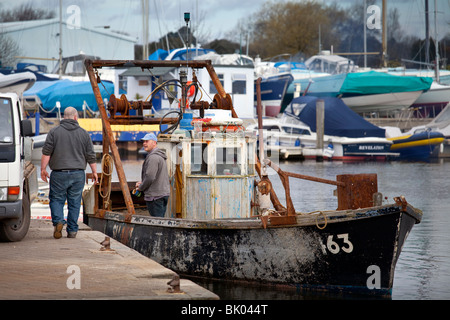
(317, 218)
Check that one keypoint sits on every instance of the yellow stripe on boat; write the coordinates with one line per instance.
(400, 138)
(95, 125)
(417, 143)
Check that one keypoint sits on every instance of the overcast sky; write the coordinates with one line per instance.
(219, 16)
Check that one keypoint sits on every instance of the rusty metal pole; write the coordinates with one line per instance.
(221, 91)
(111, 142)
(183, 80)
(260, 126)
(285, 181)
(215, 80)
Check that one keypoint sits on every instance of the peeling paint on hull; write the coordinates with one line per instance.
(356, 251)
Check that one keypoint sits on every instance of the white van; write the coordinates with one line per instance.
(18, 176)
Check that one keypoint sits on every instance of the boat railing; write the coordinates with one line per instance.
(354, 191)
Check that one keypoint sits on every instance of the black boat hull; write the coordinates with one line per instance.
(356, 251)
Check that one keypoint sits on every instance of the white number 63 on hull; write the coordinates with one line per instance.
(333, 246)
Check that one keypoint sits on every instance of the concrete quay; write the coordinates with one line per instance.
(41, 267)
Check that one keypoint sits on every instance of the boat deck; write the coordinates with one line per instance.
(41, 267)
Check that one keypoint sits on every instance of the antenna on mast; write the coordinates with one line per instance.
(183, 74)
(187, 18)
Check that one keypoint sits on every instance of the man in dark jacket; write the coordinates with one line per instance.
(67, 150)
(154, 177)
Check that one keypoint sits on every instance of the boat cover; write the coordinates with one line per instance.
(374, 82)
(159, 54)
(339, 121)
(8, 81)
(68, 93)
(357, 84)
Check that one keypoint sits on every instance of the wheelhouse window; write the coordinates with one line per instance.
(293, 130)
(198, 156)
(239, 84)
(75, 67)
(228, 161)
(271, 128)
(212, 87)
(251, 157)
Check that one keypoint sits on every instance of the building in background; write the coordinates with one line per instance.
(39, 41)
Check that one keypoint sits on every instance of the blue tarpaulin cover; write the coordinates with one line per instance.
(340, 120)
(68, 93)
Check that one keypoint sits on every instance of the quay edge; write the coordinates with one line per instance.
(43, 268)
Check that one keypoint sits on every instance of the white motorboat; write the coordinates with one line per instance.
(347, 135)
(17, 82)
(434, 100)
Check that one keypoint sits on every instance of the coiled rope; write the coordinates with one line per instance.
(107, 169)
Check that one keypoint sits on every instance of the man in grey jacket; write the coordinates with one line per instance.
(67, 150)
(154, 177)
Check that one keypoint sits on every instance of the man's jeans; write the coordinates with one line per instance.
(66, 185)
(157, 208)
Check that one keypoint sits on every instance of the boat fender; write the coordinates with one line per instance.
(263, 197)
(264, 202)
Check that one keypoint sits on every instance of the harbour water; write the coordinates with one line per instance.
(423, 270)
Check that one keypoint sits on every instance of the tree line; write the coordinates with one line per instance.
(306, 27)
(300, 29)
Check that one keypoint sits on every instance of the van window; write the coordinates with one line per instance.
(6, 122)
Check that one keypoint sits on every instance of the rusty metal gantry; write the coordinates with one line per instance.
(354, 191)
(221, 100)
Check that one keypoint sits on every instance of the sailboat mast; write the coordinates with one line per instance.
(427, 33)
(145, 13)
(384, 34)
(60, 39)
(436, 41)
(365, 33)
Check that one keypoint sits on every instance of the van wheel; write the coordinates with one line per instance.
(16, 230)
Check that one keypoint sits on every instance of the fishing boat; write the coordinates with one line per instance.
(225, 221)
